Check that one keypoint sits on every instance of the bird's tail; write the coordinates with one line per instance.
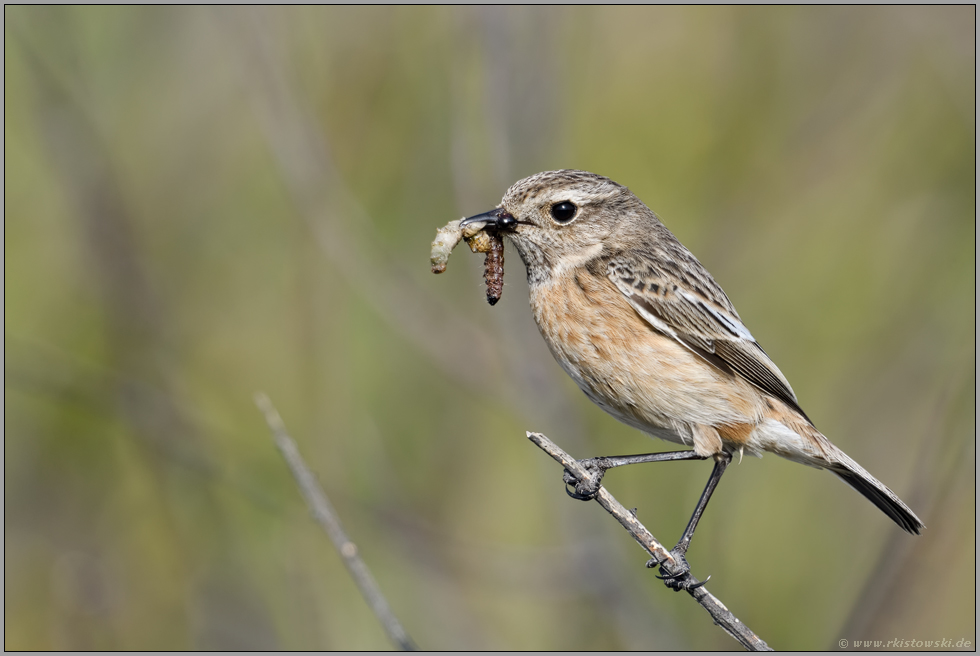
(811, 447)
(876, 492)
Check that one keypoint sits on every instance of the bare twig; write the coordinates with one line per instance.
(326, 517)
(719, 613)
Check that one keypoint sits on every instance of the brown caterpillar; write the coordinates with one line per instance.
(493, 272)
(479, 241)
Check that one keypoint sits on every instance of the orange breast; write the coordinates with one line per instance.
(638, 375)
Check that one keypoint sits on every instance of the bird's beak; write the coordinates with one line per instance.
(498, 218)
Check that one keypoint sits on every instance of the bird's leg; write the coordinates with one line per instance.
(586, 490)
(676, 576)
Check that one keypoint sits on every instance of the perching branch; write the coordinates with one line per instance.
(326, 517)
(719, 613)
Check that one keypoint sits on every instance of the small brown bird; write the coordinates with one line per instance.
(646, 332)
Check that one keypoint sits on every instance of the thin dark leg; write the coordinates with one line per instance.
(608, 462)
(677, 577)
(586, 490)
(722, 461)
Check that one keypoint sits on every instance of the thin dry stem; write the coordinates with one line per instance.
(324, 514)
(719, 613)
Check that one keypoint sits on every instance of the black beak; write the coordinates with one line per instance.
(498, 218)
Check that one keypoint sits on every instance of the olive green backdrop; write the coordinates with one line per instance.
(200, 204)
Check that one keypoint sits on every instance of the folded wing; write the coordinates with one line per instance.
(694, 310)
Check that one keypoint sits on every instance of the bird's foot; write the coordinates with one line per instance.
(676, 574)
(588, 489)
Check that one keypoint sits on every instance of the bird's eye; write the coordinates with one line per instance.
(563, 212)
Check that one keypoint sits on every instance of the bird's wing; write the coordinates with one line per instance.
(689, 306)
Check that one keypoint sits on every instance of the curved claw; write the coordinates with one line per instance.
(584, 490)
(698, 585)
(677, 583)
(681, 582)
(581, 497)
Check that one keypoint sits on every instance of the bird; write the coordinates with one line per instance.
(645, 331)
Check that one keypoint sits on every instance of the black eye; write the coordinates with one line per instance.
(563, 212)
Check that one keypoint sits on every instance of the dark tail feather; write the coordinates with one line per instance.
(876, 492)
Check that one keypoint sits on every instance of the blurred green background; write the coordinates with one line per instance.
(204, 203)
